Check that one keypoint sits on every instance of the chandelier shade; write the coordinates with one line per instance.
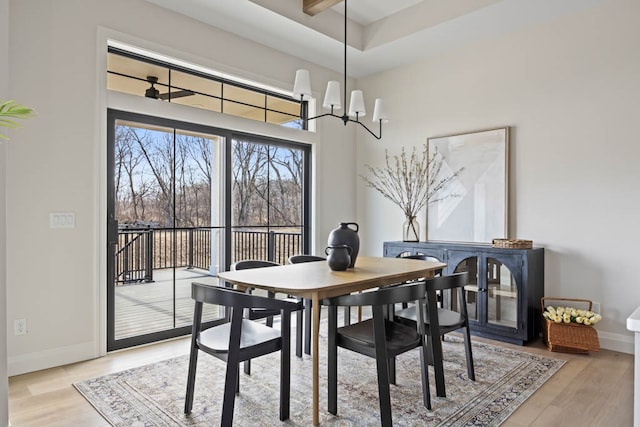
(302, 85)
(379, 111)
(356, 106)
(332, 96)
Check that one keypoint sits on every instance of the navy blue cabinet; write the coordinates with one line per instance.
(505, 285)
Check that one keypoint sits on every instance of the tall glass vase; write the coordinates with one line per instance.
(411, 230)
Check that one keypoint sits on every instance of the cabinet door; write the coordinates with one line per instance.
(504, 286)
(469, 262)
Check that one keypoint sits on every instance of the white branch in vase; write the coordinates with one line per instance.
(410, 183)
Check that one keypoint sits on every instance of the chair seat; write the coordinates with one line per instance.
(399, 337)
(447, 319)
(255, 313)
(216, 339)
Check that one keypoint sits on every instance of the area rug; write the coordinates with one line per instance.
(153, 395)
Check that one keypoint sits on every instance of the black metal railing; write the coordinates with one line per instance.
(133, 261)
(140, 251)
(265, 245)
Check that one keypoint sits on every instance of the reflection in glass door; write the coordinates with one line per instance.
(166, 222)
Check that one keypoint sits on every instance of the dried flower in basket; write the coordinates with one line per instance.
(571, 315)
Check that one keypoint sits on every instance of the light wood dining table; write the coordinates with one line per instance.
(315, 281)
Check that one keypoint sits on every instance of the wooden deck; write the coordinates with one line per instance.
(142, 308)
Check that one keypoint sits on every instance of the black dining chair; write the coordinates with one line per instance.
(263, 313)
(238, 340)
(297, 259)
(441, 321)
(422, 257)
(379, 338)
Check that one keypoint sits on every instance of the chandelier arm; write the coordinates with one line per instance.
(347, 119)
(324, 115)
(369, 130)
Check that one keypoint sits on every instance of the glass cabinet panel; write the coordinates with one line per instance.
(470, 265)
(502, 292)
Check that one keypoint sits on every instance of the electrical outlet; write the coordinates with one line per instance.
(20, 326)
(596, 307)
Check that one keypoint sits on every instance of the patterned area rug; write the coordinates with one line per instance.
(153, 395)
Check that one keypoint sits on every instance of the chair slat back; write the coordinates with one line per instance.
(421, 257)
(233, 298)
(252, 263)
(407, 292)
(458, 280)
(298, 259)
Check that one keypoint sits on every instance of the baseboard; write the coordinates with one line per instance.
(30, 362)
(616, 342)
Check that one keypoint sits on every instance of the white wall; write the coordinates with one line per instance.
(55, 278)
(570, 91)
(4, 89)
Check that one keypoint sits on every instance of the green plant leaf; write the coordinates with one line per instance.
(12, 110)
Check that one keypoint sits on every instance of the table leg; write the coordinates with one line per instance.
(315, 304)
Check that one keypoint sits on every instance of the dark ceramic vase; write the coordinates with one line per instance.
(346, 234)
(338, 257)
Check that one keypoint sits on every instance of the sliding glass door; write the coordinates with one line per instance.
(184, 202)
(166, 222)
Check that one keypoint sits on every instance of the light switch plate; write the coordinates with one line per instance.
(62, 220)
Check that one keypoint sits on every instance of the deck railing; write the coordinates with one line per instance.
(140, 251)
(265, 245)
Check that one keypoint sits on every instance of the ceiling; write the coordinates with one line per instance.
(382, 34)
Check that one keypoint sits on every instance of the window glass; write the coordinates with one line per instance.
(138, 75)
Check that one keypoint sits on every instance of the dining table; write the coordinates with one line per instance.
(316, 281)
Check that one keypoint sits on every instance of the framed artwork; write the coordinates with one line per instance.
(473, 206)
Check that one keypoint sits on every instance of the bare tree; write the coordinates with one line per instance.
(287, 166)
(193, 181)
(131, 188)
(249, 161)
(167, 178)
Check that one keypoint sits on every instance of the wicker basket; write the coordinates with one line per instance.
(569, 337)
(512, 243)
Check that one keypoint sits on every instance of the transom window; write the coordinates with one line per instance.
(141, 75)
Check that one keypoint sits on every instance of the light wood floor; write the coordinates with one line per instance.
(590, 390)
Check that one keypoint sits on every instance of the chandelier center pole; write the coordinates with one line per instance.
(345, 116)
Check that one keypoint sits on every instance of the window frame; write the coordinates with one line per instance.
(300, 119)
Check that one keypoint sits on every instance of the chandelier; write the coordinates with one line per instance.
(332, 100)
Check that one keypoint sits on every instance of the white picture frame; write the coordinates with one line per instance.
(473, 207)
